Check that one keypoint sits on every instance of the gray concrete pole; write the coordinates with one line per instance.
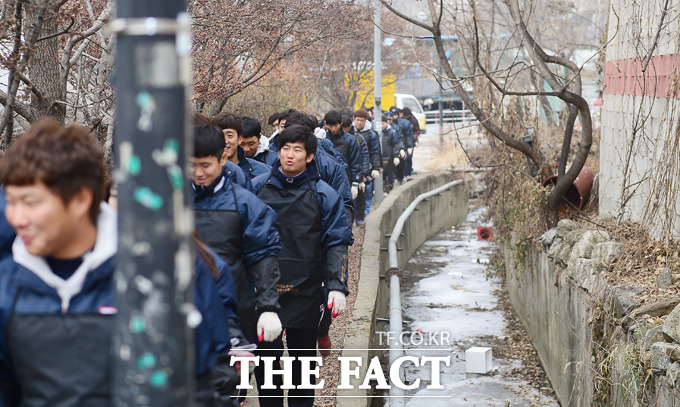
(377, 92)
(153, 346)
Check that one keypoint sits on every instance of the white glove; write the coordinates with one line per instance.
(362, 186)
(375, 174)
(355, 191)
(402, 153)
(336, 302)
(268, 327)
(397, 161)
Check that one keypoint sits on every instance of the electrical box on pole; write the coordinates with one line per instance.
(153, 344)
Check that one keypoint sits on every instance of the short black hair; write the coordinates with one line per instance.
(226, 120)
(302, 119)
(333, 117)
(406, 111)
(297, 132)
(346, 120)
(251, 127)
(208, 141)
(274, 117)
(286, 114)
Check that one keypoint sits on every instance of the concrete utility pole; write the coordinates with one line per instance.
(153, 348)
(377, 96)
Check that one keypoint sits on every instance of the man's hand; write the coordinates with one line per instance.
(402, 153)
(362, 187)
(336, 302)
(268, 327)
(397, 161)
(375, 174)
(355, 191)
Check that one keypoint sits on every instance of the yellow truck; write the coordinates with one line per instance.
(390, 98)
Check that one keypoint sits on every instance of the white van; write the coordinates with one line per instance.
(402, 100)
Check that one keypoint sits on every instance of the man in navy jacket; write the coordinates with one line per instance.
(56, 290)
(306, 206)
(241, 229)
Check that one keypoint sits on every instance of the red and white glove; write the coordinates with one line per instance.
(375, 174)
(397, 161)
(336, 302)
(362, 187)
(268, 327)
(402, 153)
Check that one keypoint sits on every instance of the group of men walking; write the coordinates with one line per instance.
(273, 221)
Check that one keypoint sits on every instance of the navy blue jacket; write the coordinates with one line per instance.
(260, 237)
(365, 157)
(373, 143)
(93, 289)
(335, 229)
(268, 157)
(236, 175)
(251, 167)
(347, 145)
(7, 234)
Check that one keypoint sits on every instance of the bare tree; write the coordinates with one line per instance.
(511, 77)
(237, 43)
(58, 63)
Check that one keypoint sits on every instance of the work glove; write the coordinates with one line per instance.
(410, 151)
(397, 161)
(225, 378)
(355, 190)
(402, 153)
(362, 187)
(336, 302)
(268, 327)
(375, 174)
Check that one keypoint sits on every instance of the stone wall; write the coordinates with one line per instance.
(432, 216)
(598, 345)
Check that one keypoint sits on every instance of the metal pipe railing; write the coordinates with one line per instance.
(396, 351)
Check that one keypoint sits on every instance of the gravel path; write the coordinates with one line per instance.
(331, 366)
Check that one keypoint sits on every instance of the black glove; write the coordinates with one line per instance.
(225, 378)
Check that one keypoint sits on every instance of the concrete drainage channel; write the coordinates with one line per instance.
(450, 298)
(449, 307)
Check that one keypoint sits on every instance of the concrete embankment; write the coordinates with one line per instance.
(597, 343)
(431, 216)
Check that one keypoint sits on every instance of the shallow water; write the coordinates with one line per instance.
(451, 306)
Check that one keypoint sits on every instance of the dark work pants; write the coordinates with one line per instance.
(401, 170)
(360, 205)
(325, 319)
(295, 339)
(388, 176)
(409, 163)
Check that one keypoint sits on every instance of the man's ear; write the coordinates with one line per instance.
(82, 201)
(224, 158)
(310, 157)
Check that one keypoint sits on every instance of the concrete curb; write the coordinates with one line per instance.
(372, 298)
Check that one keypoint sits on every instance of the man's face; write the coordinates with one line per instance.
(231, 140)
(40, 218)
(282, 125)
(275, 125)
(334, 128)
(205, 170)
(249, 145)
(359, 123)
(384, 125)
(294, 158)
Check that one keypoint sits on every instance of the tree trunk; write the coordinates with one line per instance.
(44, 69)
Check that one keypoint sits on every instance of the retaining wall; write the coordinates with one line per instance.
(432, 216)
(598, 343)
